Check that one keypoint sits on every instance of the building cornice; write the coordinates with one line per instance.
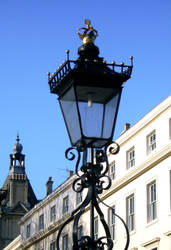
(168, 233)
(157, 239)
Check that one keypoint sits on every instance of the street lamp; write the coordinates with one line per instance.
(89, 92)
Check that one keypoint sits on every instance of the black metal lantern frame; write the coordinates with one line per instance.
(91, 82)
(89, 92)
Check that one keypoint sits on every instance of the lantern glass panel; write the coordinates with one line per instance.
(68, 106)
(97, 108)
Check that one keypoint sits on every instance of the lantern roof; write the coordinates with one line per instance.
(88, 66)
(89, 91)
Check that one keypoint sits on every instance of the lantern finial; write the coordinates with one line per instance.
(89, 33)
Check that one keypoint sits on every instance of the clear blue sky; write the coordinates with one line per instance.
(34, 36)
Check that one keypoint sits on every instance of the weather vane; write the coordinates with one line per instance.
(89, 33)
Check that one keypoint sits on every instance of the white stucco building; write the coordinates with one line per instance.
(140, 193)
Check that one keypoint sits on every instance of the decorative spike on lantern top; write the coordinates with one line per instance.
(67, 52)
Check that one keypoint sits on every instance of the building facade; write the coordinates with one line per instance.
(16, 197)
(140, 193)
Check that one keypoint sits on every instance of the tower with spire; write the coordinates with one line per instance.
(16, 196)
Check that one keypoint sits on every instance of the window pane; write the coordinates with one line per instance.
(151, 142)
(130, 158)
(28, 230)
(65, 242)
(52, 246)
(65, 204)
(80, 232)
(112, 171)
(96, 228)
(78, 198)
(53, 213)
(130, 212)
(151, 201)
(111, 222)
(41, 221)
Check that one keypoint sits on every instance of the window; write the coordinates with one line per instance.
(170, 189)
(131, 158)
(95, 228)
(111, 222)
(154, 248)
(53, 213)
(28, 230)
(112, 171)
(65, 205)
(130, 220)
(170, 128)
(151, 201)
(65, 242)
(41, 221)
(52, 246)
(151, 142)
(80, 232)
(78, 198)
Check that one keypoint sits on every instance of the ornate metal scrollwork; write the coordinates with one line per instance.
(93, 176)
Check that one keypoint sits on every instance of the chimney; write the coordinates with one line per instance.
(70, 173)
(126, 127)
(49, 186)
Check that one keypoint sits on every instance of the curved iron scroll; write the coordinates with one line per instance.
(93, 176)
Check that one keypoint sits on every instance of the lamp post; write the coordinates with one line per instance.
(89, 92)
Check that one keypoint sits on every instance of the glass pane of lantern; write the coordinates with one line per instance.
(91, 119)
(110, 113)
(97, 107)
(69, 109)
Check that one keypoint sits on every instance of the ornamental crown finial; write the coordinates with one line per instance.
(89, 33)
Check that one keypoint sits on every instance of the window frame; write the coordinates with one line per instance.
(112, 170)
(53, 213)
(52, 245)
(28, 230)
(170, 128)
(41, 222)
(80, 232)
(130, 157)
(151, 201)
(130, 212)
(112, 222)
(65, 207)
(96, 227)
(79, 197)
(170, 186)
(151, 142)
(65, 241)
